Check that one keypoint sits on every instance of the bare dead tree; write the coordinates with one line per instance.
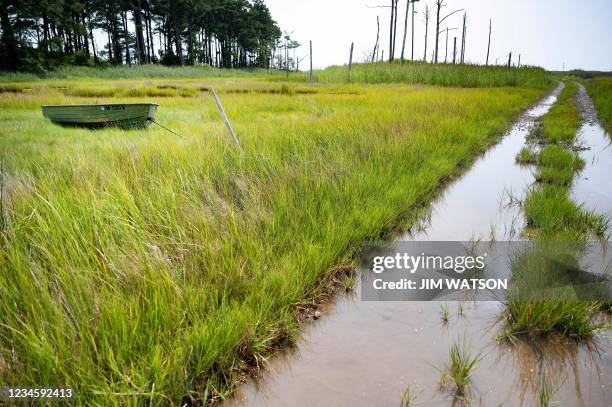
(509, 59)
(446, 54)
(427, 15)
(439, 6)
(463, 37)
(405, 28)
(391, 30)
(395, 28)
(377, 38)
(413, 14)
(455, 51)
(519, 61)
(489, 46)
(350, 65)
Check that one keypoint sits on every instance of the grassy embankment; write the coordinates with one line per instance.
(552, 216)
(600, 90)
(140, 266)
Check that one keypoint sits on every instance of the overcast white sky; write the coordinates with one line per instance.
(547, 33)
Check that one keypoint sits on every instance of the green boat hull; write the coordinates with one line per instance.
(122, 115)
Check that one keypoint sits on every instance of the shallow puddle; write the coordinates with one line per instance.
(368, 353)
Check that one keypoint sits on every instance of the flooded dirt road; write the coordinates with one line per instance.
(368, 353)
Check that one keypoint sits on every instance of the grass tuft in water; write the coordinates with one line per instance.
(462, 364)
(527, 157)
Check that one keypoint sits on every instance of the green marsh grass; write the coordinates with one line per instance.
(562, 122)
(600, 89)
(527, 157)
(412, 72)
(160, 265)
(557, 165)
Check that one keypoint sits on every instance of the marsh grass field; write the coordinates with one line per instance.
(141, 266)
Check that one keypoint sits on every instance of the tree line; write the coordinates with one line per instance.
(41, 34)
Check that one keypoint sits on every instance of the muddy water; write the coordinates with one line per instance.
(367, 353)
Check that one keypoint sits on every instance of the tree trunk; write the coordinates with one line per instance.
(412, 29)
(377, 38)
(8, 38)
(426, 31)
(391, 31)
(463, 38)
(405, 28)
(85, 36)
(438, 7)
(446, 54)
(178, 43)
(150, 39)
(93, 44)
(395, 28)
(126, 36)
(140, 44)
(46, 33)
(190, 44)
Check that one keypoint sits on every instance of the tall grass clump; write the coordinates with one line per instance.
(562, 122)
(600, 90)
(462, 364)
(141, 267)
(414, 72)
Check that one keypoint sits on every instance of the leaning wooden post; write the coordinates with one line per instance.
(489, 46)
(310, 76)
(519, 61)
(351, 61)
(2, 219)
(227, 123)
(455, 52)
(509, 59)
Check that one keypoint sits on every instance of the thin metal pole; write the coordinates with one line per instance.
(227, 123)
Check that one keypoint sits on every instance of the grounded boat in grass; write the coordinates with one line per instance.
(123, 115)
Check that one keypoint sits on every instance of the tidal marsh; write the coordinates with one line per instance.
(162, 264)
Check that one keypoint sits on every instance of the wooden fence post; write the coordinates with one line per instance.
(489, 46)
(351, 61)
(227, 123)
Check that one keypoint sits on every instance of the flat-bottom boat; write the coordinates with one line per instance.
(123, 115)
